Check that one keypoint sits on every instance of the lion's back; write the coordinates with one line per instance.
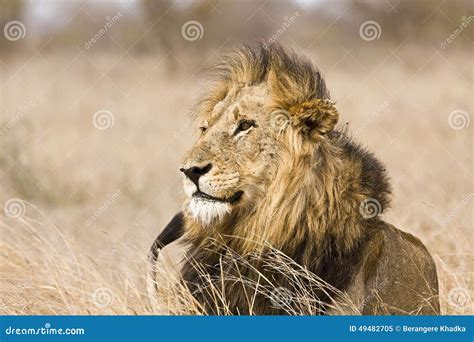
(400, 274)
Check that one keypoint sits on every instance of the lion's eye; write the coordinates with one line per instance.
(202, 129)
(244, 125)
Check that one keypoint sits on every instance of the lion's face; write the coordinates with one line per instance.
(231, 164)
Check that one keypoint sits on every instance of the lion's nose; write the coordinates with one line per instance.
(195, 172)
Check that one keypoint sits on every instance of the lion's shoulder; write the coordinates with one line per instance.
(398, 267)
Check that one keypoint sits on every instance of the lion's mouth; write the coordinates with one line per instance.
(231, 200)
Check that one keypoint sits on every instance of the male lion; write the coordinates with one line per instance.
(269, 172)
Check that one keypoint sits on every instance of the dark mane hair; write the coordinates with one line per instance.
(313, 209)
(253, 64)
(309, 224)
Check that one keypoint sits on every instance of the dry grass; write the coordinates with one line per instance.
(59, 253)
(38, 282)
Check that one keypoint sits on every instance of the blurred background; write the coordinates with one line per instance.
(94, 118)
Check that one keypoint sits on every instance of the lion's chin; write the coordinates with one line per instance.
(208, 212)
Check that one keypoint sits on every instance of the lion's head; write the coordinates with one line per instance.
(267, 108)
(270, 172)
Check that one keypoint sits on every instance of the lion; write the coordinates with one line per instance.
(271, 171)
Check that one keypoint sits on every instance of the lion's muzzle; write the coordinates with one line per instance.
(212, 194)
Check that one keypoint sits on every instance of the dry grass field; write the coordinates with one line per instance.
(84, 196)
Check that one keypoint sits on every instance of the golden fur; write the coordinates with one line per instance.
(304, 187)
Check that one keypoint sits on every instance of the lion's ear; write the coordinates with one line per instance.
(315, 117)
